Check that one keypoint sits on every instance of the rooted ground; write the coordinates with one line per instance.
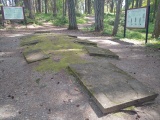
(26, 94)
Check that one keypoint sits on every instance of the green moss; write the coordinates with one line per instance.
(56, 45)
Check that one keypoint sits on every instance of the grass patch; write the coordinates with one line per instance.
(154, 44)
(62, 50)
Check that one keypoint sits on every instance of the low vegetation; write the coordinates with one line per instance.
(62, 50)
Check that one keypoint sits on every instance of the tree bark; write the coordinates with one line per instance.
(72, 15)
(99, 15)
(39, 6)
(29, 5)
(140, 3)
(137, 1)
(132, 3)
(86, 6)
(54, 8)
(111, 6)
(116, 22)
(157, 24)
(89, 6)
(46, 6)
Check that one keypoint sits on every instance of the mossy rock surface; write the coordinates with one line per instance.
(61, 49)
(112, 89)
(86, 42)
(35, 55)
(95, 51)
(33, 42)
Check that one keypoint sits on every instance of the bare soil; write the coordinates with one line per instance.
(26, 94)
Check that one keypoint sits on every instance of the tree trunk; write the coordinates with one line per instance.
(132, 3)
(140, 3)
(29, 5)
(157, 24)
(46, 6)
(39, 6)
(111, 6)
(99, 14)
(137, 1)
(54, 8)
(89, 6)
(86, 6)
(116, 22)
(155, 9)
(72, 15)
(66, 7)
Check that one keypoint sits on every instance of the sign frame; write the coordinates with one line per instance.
(3, 13)
(146, 14)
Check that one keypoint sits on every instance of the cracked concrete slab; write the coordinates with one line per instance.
(95, 51)
(112, 89)
(35, 55)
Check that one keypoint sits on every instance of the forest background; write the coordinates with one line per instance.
(109, 15)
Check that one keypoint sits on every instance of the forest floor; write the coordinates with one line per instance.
(62, 98)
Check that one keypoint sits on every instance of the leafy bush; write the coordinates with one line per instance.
(60, 21)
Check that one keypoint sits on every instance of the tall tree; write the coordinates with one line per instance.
(116, 22)
(29, 5)
(89, 6)
(54, 7)
(39, 6)
(99, 15)
(46, 6)
(157, 24)
(111, 6)
(72, 15)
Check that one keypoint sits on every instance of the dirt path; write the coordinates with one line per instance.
(29, 95)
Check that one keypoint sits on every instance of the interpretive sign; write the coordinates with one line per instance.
(13, 13)
(136, 18)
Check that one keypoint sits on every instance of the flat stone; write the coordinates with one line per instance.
(42, 32)
(72, 36)
(86, 42)
(111, 88)
(33, 42)
(95, 51)
(35, 55)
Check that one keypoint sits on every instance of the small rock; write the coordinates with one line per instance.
(77, 105)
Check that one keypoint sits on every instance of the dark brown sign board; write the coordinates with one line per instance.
(12, 13)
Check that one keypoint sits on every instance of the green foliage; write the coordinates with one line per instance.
(60, 21)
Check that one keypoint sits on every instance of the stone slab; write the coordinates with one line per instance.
(42, 32)
(73, 36)
(95, 51)
(86, 42)
(35, 55)
(33, 42)
(111, 88)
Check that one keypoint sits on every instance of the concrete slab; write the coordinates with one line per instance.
(111, 88)
(30, 42)
(35, 55)
(86, 42)
(95, 51)
(42, 32)
(73, 36)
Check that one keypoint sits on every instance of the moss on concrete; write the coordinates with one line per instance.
(55, 45)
